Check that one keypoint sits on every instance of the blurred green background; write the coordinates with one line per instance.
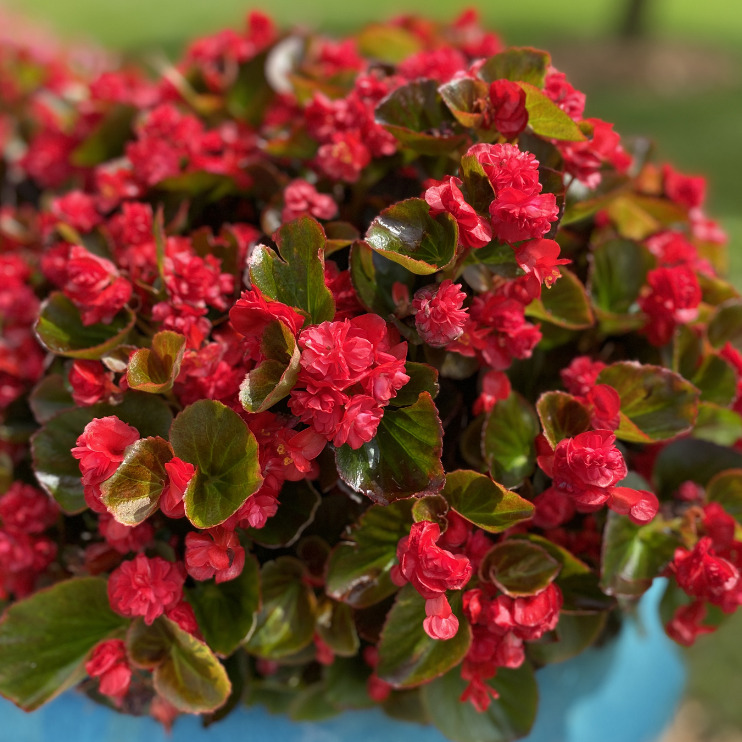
(677, 80)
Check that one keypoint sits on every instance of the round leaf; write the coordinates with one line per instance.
(546, 118)
(403, 460)
(656, 403)
(336, 628)
(407, 655)
(519, 567)
(217, 441)
(517, 64)
(155, 369)
(61, 331)
(408, 235)
(565, 304)
(562, 416)
(132, 494)
(285, 623)
(423, 378)
(45, 639)
(483, 502)
(184, 670)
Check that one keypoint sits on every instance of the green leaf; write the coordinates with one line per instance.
(637, 217)
(618, 271)
(694, 460)
(61, 331)
(562, 416)
(49, 397)
(578, 583)
(285, 623)
(373, 277)
(155, 369)
(508, 718)
(508, 440)
(216, 440)
(467, 99)
(656, 403)
(407, 655)
(184, 670)
(408, 235)
(132, 494)
(423, 378)
(46, 638)
(726, 325)
(346, 682)
(358, 570)
(250, 94)
(339, 235)
(517, 64)
(416, 115)
(336, 628)
(485, 503)
(58, 472)
(726, 489)
(298, 504)
(717, 424)
(480, 194)
(389, 44)
(565, 304)
(403, 460)
(274, 377)
(546, 118)
(433, 508)
(634, 555)
(226, 612)
(716, 380)
(297, 277)
(311, 704)
(519, 567)
(572, 636)
(107, 140)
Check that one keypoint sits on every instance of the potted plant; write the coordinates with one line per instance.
(342, 374)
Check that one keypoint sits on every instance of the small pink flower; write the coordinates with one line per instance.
(216, 552)
(439, 318)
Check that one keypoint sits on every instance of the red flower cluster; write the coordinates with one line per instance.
(214, 553)
(439, 318)
(587, 469)
(500, 625)
(337, 357)
(432, 571)
(110, 663)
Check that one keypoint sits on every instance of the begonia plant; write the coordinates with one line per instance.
(337, 374)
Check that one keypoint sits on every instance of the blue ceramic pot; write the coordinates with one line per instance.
(626, 691)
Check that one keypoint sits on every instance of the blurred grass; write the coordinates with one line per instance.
(697, 131)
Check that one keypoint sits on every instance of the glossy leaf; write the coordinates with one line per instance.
(217, 441)
(480, 194)
(46, 638)
(467, 99)
(716, 380)
(358, 570)
(416, 115)
(226, 612)
(373, 277)
(58, 472)
(565, 304)
(407, 234)
(407, 655)
(61, 331)
(562, 416)
(155, 369)
(508, 718)
(132, 494)
(297, 277)
(433, 508)
(49, 397)
(485, 503)
(517, 64)
(285, 622)
(298, 502)
(273, 378)
(423, 378)
(508, 440)
(403, 460)
(634, 555)
(519, 567)
(656, 403)
(184, 670)
(546, 118)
